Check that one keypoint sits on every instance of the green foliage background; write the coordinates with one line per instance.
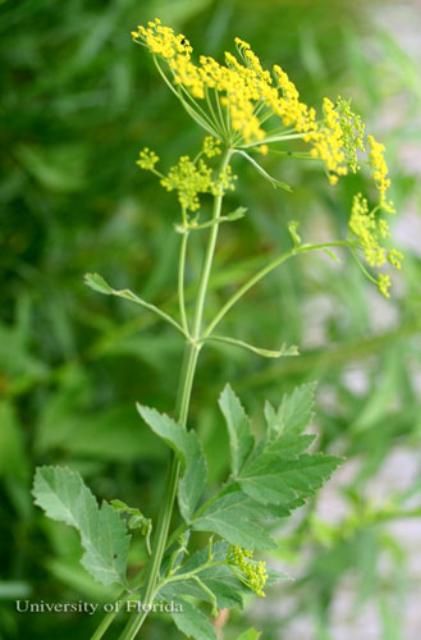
(78, 101)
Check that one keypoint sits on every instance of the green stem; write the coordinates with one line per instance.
(181, 278)
(103, 626)
(203, 119)
(108, 619)
(183, 403)
(264, 272)
(270, 139)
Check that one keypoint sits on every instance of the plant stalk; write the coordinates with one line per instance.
(191, 355)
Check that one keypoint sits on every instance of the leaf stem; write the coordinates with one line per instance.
(126, 294)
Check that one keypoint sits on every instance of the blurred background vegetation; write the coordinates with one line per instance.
(78, 100)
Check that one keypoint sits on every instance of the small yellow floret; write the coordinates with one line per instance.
(380, 172)
(364, 226)
(369, 230)
(384, 284)
(189, 181)
(395, 258)
(329, 143)
(147, 159)
(211, 147)
(253, 573)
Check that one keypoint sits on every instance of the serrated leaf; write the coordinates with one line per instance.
(289, 445)
(64, 497)
(187, 447)
(294, 412)
(98, 283)
(241, 439)
(271, 480)
(238, 519)
(192, 622)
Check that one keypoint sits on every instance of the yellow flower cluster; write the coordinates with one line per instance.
(175, 49)
(190, 178)
(364, 226)
(338, 138)
(224, 182)
(384, 283)
(380, 171)
(253, 573)
(147, 159)
(369, 230)
(241, 96)
(328, 143)
(162, 41)
(395, 258)
(353, 133)
(211, 147)
(239, 103)
(287, 105)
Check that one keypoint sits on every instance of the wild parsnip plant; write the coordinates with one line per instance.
(246, 113)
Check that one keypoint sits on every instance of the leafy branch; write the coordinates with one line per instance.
(99, 284)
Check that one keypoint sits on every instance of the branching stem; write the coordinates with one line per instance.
(192, 350)
(276, 262)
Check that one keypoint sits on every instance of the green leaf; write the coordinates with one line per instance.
(238, 519)
(284, 351)
(289, 446)
(250, 634)
(271, 480)
(241, 439)
(294, 412)
(237, 214)
(187, 447)
(97, 283)
(62, 494)
(192, 622)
